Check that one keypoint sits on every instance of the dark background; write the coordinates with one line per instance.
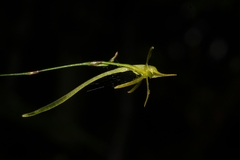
(192, 116)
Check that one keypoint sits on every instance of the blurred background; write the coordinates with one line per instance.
(192, 116)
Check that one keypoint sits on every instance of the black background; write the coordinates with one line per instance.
(192, 116)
